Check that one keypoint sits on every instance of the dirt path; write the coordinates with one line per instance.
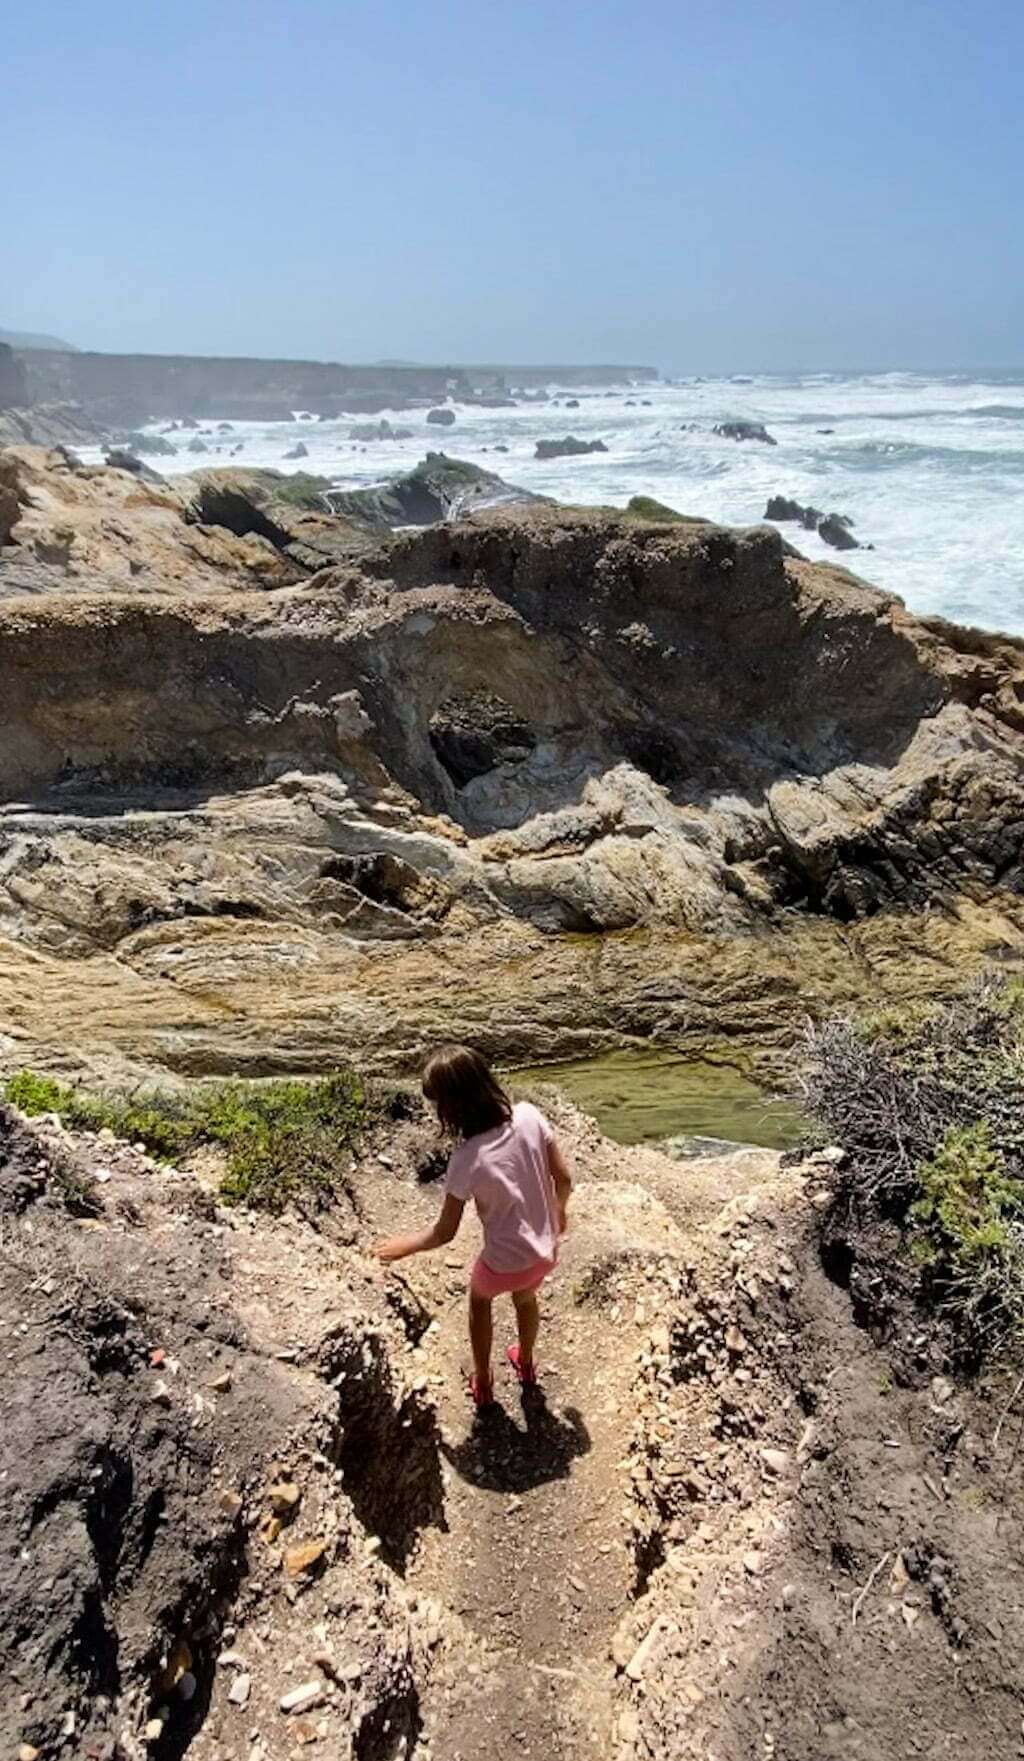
(537, 1558)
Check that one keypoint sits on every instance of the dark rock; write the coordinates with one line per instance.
(137, 443)
(835, 530)
(441, 418)
(572, 403)
(824, 431)
(300, 451)
(745, 431)
(568, 448)
(437, 489)
(126, 461)
(381, 430)
(197, 445)
(780, 507)
(474, 734)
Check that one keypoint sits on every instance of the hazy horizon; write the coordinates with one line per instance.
(728, 192)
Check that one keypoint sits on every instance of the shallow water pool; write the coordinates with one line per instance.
(650, 1095)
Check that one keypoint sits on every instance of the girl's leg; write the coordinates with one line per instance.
(528, 1322)
(481, 1332)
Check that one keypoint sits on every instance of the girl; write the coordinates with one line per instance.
(507, 1160)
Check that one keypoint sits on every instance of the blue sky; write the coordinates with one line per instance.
(706, 185)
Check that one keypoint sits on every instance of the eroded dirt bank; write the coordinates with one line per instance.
(247, 1510)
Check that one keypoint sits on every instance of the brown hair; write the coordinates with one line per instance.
(464, 1089)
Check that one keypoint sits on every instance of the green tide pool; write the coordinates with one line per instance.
(652, 1095)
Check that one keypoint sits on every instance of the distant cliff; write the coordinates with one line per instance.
(13, 388)
(128, 390)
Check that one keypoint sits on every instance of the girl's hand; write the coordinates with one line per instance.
(563, 1220)
(390, 1249)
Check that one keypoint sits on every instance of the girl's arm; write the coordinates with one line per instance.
(561, 1180)
(399, 1247)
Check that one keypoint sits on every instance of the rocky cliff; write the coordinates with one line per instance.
(610, 776)
(130, 390)
(13, 382)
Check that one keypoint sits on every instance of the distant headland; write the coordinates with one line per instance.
(128, 390)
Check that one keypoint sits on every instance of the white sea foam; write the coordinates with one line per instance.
(931, 469)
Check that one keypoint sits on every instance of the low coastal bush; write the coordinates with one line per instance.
(280, 1139)
(928, 1103)
(644, 507)
(303, 490)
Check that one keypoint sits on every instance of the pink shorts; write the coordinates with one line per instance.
(484, 1282)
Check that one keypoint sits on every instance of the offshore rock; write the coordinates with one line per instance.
(745, 431)
(568, 448)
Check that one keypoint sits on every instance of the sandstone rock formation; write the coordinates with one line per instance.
(68, 528)
(368, 805)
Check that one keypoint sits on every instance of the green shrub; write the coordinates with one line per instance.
(644, 507)
(280, 1138)
(928, 1102)
(966, 1197)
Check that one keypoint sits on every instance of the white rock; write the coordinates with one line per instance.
(303, 1698)
(651, 1641)
(240, 1689)
(775, 1461)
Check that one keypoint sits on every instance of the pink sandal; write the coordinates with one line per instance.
(481, 1393)
(527, 1377)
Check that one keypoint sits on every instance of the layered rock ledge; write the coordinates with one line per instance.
(548, 777)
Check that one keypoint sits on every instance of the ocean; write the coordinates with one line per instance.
(929, 467)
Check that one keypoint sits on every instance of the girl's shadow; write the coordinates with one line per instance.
(502, 1456)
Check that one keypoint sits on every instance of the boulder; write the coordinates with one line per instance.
(745, 431)
(300, 451)
(140, 443)
(568, 448)
(835, 530)
(120, 459)
(441, 418)
(197, 445)
(781, 508)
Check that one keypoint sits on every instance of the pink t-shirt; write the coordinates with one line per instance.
(505, 1172)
